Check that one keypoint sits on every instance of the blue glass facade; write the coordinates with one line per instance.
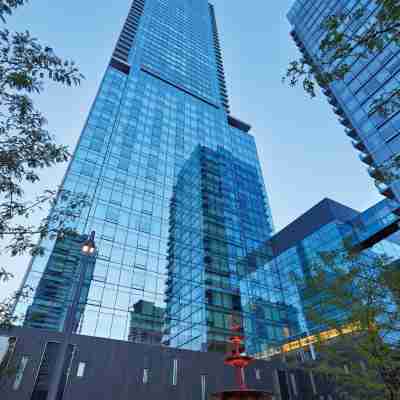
(55, 288)
(162, 96)
(218, 215)
(377, 137)
(289, 255)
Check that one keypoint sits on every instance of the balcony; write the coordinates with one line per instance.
(333, 102)
(338, 111)
(396, 211)
(346, 123)
(366, 158)
(352, 133)
(375, 173)
(327, 92)
(359, 145)
(385, 190)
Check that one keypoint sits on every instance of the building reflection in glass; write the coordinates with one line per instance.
(56, 287)
(146, 323)
(218, 214)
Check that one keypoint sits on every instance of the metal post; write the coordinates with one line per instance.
(88, 252)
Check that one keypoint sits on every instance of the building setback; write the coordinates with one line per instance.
(376, 136)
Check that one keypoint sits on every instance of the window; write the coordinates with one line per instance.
(112, 214)
(283, 384)
(81, 370)
(258, 374)
(203, 388)
(145, 376)
(20, 372)
(175, 373)
(294, 384)
(313, 386)
(45, 374)
(7, 348)
(123, 164)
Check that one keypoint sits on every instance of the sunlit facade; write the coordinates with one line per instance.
(376, 136)
(163, 95)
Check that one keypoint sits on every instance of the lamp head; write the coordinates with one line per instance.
(89, 246)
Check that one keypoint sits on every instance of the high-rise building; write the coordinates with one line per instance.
(163, 94)
(376, 136)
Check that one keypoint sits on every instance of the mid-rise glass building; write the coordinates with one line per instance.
(376, 136)
(276, 325)
(162, 96)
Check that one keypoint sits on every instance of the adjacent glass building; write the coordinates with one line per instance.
(377, 137)
(163, 97)
(276, 325)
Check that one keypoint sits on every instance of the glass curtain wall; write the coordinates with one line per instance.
(377, 136)
(217, 216)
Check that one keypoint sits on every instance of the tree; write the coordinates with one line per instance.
(26, 147)
(350, 36)
(7, 316)
(7, 368)
(356, 295)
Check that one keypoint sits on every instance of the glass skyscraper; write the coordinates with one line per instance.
(161, 103)
(376, 136)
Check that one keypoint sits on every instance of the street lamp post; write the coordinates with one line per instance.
(88, 251)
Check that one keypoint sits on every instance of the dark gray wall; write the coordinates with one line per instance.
(114, 370)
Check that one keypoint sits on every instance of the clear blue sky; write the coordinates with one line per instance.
(304, 151)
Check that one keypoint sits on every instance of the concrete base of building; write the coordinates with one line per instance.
(104, 369)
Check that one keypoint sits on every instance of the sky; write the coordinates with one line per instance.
(304, 152)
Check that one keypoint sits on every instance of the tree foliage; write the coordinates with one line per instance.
(358, 295)
(27, 148)
(7, 7)
(349, 36)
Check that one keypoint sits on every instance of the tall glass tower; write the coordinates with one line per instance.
(376, 136)
(163, 97)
